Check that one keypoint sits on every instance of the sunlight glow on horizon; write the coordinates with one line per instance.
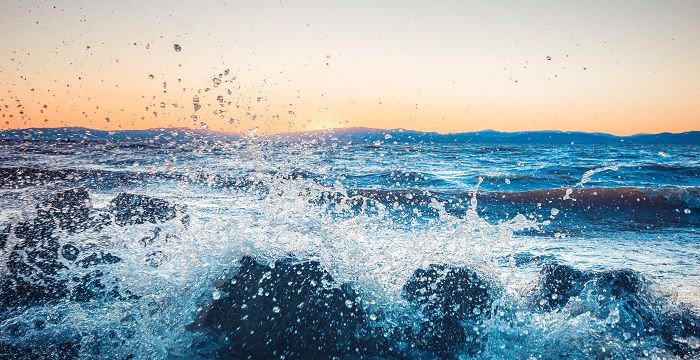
(623, 68)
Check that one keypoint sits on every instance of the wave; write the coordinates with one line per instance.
(615, 197)
(312, 287)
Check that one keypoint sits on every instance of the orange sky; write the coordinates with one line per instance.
(624, 67)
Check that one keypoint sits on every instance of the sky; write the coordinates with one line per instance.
(619, 67)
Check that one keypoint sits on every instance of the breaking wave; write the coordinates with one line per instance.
(274, 260)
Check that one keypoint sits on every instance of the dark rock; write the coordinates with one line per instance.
(129, 209)
(54, 349)
(37, 258)
(34, 263)
(4, 234)
(454, 301)
(98, 258)
(681, 332)
(447, 291)
(638, 312)
(620, 283)
(93, 286)
(558, 283)
(445, 337)
(291, 310)
(68, 210)
(70, 252)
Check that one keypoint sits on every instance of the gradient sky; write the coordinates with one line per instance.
(620, 67)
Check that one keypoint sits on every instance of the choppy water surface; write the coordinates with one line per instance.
(248, 248)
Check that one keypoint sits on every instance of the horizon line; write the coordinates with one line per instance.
(310, 132)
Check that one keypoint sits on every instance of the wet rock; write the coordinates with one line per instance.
(33, 263)
(129, 209)
(4, 234)
(558, 283)
(54, 349)
(447, 291)
(37, 257)
(454, 301)
(68, 210)
(92, 286)
(681, 332)
(445, 337)
(290, 310)
(623, 299)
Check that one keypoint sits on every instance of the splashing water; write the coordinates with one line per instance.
(113, 274)
(587, 175)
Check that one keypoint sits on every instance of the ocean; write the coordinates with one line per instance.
(156, 245)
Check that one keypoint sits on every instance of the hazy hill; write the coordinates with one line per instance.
(355, 135)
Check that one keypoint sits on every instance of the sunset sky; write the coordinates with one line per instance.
(620, 67)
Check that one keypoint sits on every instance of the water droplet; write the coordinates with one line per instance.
(686, 211)
(106, 119)
(216, 81)
(216, 295)
(507, 181)
(554, 212)
(387, 136)
(151, 77)
(549, 58)
(220, 99)
(162, 104)
(177, 47)
(276, 309)
(348, 303)
(373, 317)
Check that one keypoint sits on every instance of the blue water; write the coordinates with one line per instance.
(424, 250)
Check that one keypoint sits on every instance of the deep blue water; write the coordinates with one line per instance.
(246, 248)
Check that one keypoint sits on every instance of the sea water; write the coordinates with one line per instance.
(579, 251)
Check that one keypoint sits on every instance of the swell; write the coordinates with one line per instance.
(621, 197)
(632, 208)
(573, 211)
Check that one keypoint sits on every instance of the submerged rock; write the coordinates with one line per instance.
(290, 310)
(33, 263)
(130, 209)
(62, 349)
(37, 256)
(4, 234)
(623, 299)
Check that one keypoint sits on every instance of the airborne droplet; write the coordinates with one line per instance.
(177, 47)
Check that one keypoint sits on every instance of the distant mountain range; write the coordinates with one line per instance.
(354, 135)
